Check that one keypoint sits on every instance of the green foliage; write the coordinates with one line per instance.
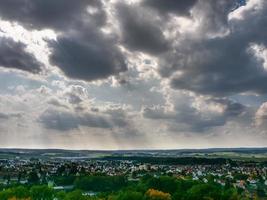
(41, 192)
(118, 188)
(230, 194)
(130, 195)
(100, 183)
(6, 194)
(203, 192)
(165, 184)
(61, 195)
(240, 176)
(184, 185)
(20, 192)
(75, 195)
(64, 180)
(33, 178)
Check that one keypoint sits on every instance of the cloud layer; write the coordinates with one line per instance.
(14, 55)
(137, 74)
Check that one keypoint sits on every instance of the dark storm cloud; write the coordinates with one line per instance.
(87, 56)
(220, 65)
(216, 59)
(180, 7)
(81, 50)
(39, 14)
(140, 30)
(14, 55)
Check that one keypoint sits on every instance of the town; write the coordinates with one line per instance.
(248, 178)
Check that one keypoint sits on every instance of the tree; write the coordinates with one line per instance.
(21, 192)
(230, 194)
(130, 195)
(152, 194)
(100, 183)
(33, 177)
(203, 192)
(41, 192)
(6, 194)
(61, 195)
(165, 184)
(75, 195)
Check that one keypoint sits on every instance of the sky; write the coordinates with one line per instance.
(135, 74)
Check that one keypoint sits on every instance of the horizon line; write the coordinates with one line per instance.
(137, 149)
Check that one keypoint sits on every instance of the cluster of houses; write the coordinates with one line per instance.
(245, 177)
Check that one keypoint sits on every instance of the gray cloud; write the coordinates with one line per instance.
(4, 116)
(38, 14)
(219, 65)
(181, 7)
(65, 120)
(57, 103)
(261, 117)
(212, 15)
(75, 94)
(231, 108)
(7, 116)
(215, 58)
(194, 46)
(140, 30)
(119, 117)
(14, 55)
(185, 117)
(87, 55)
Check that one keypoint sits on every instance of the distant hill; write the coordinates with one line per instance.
(260, 153)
